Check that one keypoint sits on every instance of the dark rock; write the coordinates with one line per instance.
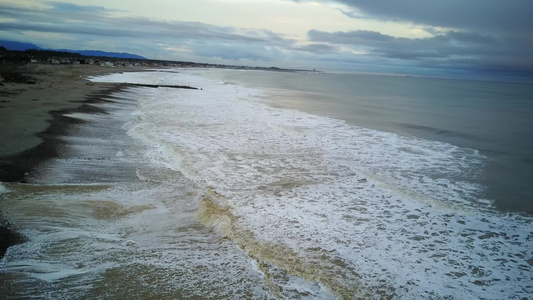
(8, 238)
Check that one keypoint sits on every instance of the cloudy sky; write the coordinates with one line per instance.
(482, 39)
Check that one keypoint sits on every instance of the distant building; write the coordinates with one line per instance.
(107, 64)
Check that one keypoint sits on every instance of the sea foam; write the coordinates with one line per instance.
(364, 213)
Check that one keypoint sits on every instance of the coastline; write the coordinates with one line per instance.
(33, 101)
(18, 167)
(29, 92)
(298, 177)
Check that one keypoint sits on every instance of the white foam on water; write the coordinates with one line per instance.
(45, 272)
(355, 212)
(400, 212)
(81, 116)
(3, 188)
(102, 221)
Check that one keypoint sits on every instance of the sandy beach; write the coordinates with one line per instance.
(24, 105)
(29, 96)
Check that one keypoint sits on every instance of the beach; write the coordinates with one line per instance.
(32, 99)
(36, 89)
(153, 191)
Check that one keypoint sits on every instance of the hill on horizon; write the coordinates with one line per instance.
(22, 46)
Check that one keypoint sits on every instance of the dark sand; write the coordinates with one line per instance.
(25, 106)
(31, 96)
(34, 99)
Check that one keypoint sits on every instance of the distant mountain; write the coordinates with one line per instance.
(11, 45)
(102, 53)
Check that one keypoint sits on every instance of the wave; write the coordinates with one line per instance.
(439, 131)
(361, 212)
(277, 260)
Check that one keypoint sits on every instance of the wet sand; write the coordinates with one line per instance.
(33, 99)
(24, 105)
(31, 96)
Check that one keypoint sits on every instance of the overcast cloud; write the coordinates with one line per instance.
(492, 16)
(475, 38)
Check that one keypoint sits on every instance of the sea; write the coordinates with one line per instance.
(282, 185)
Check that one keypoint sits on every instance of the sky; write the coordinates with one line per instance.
(479, 39)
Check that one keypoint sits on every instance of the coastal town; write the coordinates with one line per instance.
(68, 58)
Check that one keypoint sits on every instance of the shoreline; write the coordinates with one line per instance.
(33, 102)
(29, 92)
(18, 167)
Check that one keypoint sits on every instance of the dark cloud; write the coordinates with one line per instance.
(467, 51)
(359, 37)
(483, 36)
(477, 15)
(448, 45)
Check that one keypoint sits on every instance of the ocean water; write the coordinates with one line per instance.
(265, 185)
(494, 118)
